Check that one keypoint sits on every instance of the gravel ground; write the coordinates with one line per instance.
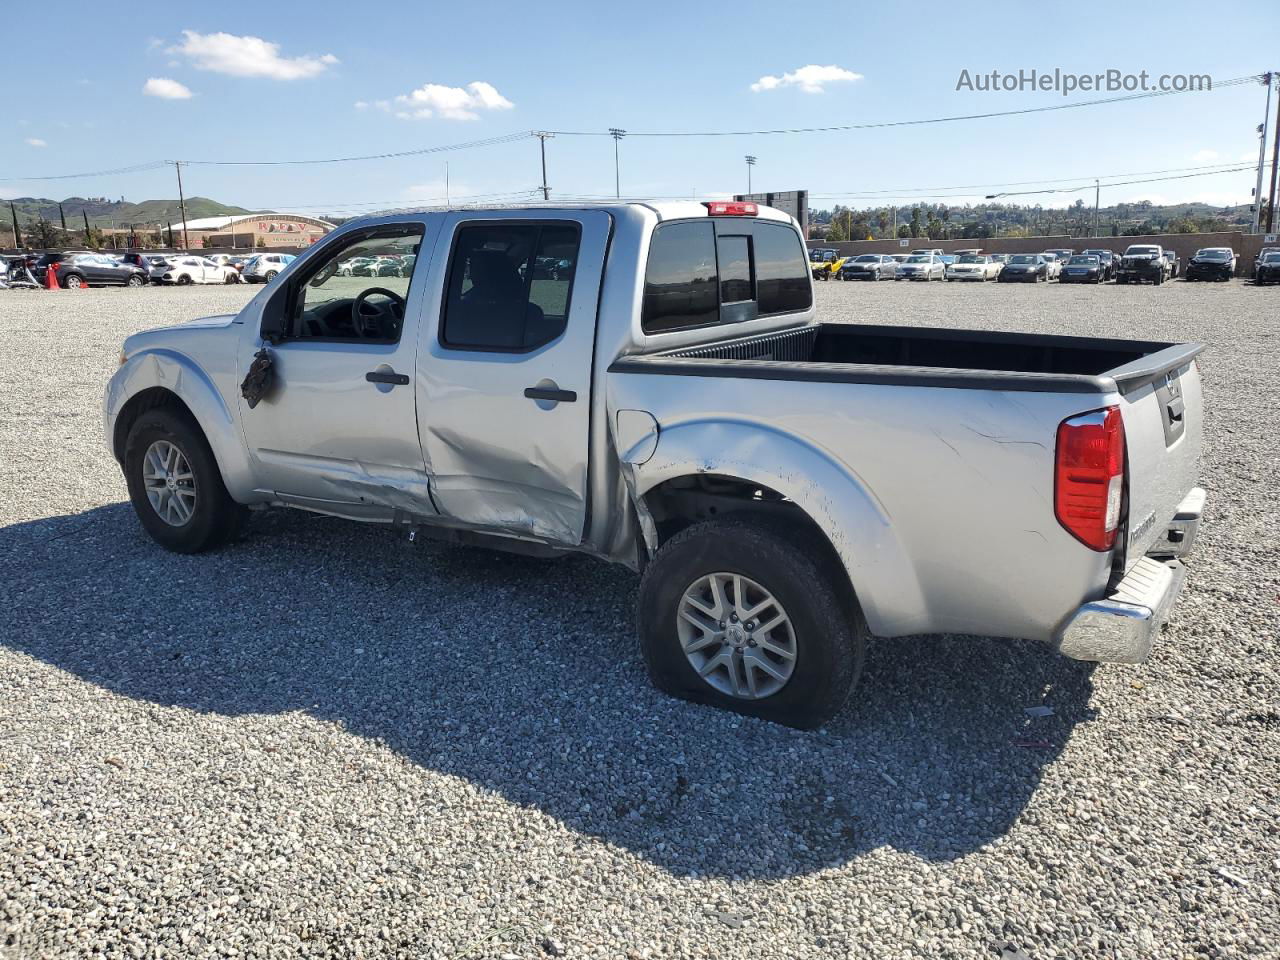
(325, 741)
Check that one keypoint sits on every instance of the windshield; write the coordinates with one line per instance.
(1213, 255)
(1084, 261)
(918, 259)
(867, 258)
(1022, 258)
(1142, 251)
(1269, 258)
(973, 258)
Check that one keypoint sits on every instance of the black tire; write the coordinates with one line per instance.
(271, 275)
(830, 633)
(135, 281)
(216, 518)
(184, 280)
(72, 281)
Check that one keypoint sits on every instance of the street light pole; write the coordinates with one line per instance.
(182, 206)
(1262, 157)
(751, 162)
(617, 135)
(1097, 194)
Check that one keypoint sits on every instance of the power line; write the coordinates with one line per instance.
(136, 168)
(468, 145)
(1235, 81)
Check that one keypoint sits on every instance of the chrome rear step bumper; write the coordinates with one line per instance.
(1122, 627)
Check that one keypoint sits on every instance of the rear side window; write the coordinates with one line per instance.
(695, 278)
(509, 285)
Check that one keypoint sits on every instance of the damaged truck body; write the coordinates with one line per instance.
(651, 384)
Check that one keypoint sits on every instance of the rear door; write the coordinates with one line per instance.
(504, 378)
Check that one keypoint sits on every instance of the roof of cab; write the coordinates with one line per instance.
(664, 209)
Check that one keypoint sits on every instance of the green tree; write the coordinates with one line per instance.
(916, 228)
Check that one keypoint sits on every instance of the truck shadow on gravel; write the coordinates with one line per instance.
(523, 677)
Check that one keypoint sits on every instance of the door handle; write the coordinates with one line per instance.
(555, 395)
(384, 376)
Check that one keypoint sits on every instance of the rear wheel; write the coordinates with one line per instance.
(135, 281)
(184, 280)
(743, 616)
(175, 486)
(271, 275)
(73, 281)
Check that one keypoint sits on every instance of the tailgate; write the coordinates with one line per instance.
(1161, 404)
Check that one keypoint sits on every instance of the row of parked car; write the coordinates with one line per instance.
(1140, 263)
(85, 268)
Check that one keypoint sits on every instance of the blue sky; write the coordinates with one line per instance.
(428, 74)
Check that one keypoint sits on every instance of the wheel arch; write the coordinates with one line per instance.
(746, 467)
(162, 378)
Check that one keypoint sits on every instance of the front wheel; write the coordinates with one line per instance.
(135, 281)
(271, 275)
(746, 616)
(184, 280)
(73, 282)
(175, 486)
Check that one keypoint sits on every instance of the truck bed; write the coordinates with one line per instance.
(926, 356)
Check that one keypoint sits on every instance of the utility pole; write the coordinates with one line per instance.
(447, 201)
(543, 137)
(1262, 156)
(182, 206)
(751, 162)
(62, 215)
(112, 221)
(1275, 158)
(17, 233)
(1097, 195)
(617, 135)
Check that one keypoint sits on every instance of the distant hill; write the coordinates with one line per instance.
(103, 212)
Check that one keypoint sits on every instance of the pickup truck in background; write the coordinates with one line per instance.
(1143, 262)
(667, 398)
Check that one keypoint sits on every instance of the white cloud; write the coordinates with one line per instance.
(810, 79)
(35, 142)
(451, 103)
(248, 57)
(383, 105)
(166, 89)
(1205, 157)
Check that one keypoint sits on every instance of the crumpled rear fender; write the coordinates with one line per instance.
(829, 492)
(177, 373)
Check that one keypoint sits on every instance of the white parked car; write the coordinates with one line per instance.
(973, 266)
(265, 266)
(185, 270)
(1053, 265)
(922, 266)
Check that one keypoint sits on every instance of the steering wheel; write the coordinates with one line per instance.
(379, 320)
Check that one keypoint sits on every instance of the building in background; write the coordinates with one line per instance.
(252, 230)
(794, 202)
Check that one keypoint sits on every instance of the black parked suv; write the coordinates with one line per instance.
(1212, 263)
(75, 270)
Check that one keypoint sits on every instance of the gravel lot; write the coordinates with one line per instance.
(326, 741)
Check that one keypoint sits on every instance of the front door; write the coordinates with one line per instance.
(505, 383)
(337, 431)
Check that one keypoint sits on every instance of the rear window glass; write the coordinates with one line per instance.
(680, 282)
(692, 273)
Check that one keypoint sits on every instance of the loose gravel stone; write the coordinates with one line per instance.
(323, 741)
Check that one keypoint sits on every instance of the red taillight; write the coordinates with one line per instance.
(1089, 476)
(731, 208)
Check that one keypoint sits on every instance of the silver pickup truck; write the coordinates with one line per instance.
(649, 384)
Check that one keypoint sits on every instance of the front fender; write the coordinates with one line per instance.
(829, 492)
(179, 374)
